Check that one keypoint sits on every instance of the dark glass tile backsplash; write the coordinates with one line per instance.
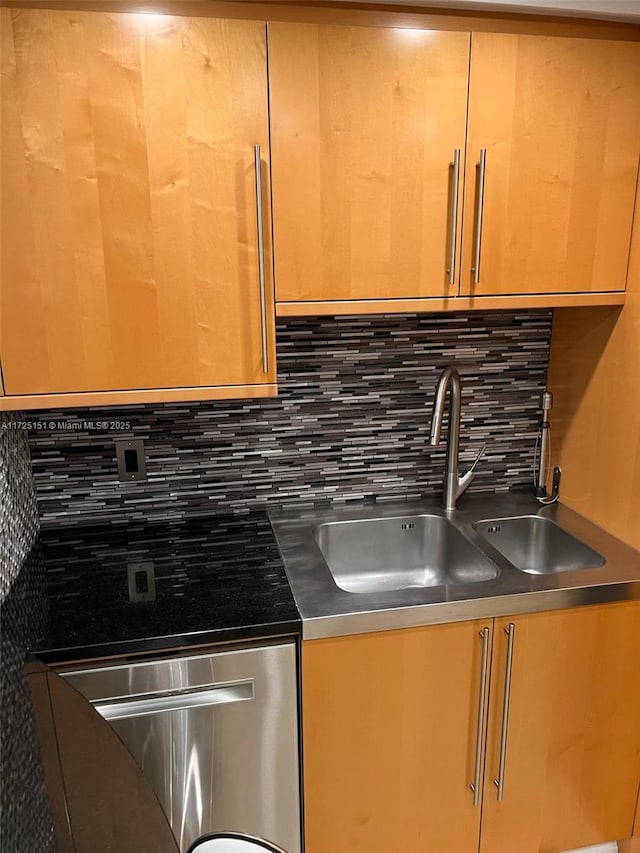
(351, 421)
(25, 822)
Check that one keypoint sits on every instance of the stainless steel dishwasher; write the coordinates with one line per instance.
(216, 737)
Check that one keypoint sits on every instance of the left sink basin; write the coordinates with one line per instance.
(385, 554)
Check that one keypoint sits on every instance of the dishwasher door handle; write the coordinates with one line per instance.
(186, 700)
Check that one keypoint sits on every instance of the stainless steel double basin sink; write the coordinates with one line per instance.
(423, 550)
(375, 566)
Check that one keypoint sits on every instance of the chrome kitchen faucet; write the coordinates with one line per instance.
(454, 485)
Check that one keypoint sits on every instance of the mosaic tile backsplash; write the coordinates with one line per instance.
(351, 421)
(25, 821)
(18, 514)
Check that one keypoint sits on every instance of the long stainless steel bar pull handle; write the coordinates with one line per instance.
(475, 785)
(482, 169)
(141, 706)
(510, 631)
(454, 216)
(263, 298)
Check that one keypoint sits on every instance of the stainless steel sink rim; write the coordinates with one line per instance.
(327, 610)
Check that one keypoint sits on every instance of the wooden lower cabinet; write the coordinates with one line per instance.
(390, 732)
(573, 737)
(389, 740)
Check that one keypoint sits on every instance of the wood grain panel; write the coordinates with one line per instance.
(329, 12)
(74, 94)
(364, 127)
(573, 748)
(18, 257)
(630, 845)
(144, 395)
(456, 303)
(389, 740)
(114, 51)
(129, 241)
(594, 374)
(169, 176)
(560, 120)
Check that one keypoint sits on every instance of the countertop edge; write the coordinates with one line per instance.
(342, 625)
(167, 643)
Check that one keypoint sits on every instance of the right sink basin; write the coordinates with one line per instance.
(537, 545)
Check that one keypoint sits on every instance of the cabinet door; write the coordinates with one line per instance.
(573, 736)
(559, 119)
(365, 123)
(390, 725)
(129, 227)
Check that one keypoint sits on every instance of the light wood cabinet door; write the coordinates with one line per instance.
(559, 119)
(573, 736)
(390, 724)
(129, 221)
(365, 122)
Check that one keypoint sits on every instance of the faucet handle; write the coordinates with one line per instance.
(465, 481)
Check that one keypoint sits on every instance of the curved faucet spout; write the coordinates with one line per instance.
(454, 485)
(449, 379)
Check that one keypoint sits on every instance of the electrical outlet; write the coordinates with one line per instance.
(141, 579)
(131, 461)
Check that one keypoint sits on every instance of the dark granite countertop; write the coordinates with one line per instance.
(217, 578)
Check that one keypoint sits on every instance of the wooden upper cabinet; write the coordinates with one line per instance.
(573, 736)
(365, 122)
(559, 119)
(129, 204)
(390, 736)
